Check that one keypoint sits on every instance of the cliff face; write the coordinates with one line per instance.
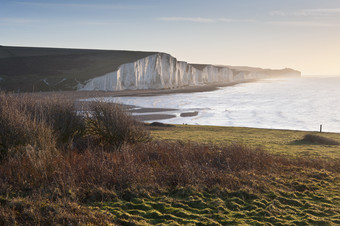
(162, 71)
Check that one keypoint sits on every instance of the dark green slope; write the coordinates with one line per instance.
(28, 69)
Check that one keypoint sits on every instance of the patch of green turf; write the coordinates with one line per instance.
(319, 207)
(275, 141)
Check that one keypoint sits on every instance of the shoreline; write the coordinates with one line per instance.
(84, 94)
(155, 114)
(158, 92)
(139, 113)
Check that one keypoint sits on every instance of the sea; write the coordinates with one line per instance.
(296, 104)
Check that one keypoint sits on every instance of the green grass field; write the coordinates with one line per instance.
(185, 206)
(283, 142)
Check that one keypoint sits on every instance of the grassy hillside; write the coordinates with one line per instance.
(51, 69)
(59, 167)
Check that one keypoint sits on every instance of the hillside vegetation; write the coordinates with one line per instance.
(28, 69)
(61, 167)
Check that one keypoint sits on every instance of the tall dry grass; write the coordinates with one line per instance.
(52, 122)
(50, 183)
(151, 165)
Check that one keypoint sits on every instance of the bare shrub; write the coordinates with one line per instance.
(61, 116)
(35, 121)
(17, 128)
(111, 125)
(48, 121)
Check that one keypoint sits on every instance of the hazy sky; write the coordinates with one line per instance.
(301, 34)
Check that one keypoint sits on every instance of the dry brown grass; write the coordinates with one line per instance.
(153, 164)
(97, 175)
(28, 211)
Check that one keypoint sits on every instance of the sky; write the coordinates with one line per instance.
(299, 34)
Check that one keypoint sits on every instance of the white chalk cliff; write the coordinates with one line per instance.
(162, 71)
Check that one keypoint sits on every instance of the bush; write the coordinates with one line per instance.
(112, 126)
(53, 121)
(17, 128)
(315, 139)
(61, 116)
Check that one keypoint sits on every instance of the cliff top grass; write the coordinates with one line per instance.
(28, 69)
(284, 142)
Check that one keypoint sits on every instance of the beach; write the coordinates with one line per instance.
(83, 98)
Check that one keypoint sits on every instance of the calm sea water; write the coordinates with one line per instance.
(297, 104)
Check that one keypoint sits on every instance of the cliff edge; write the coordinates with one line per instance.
(162, 71)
